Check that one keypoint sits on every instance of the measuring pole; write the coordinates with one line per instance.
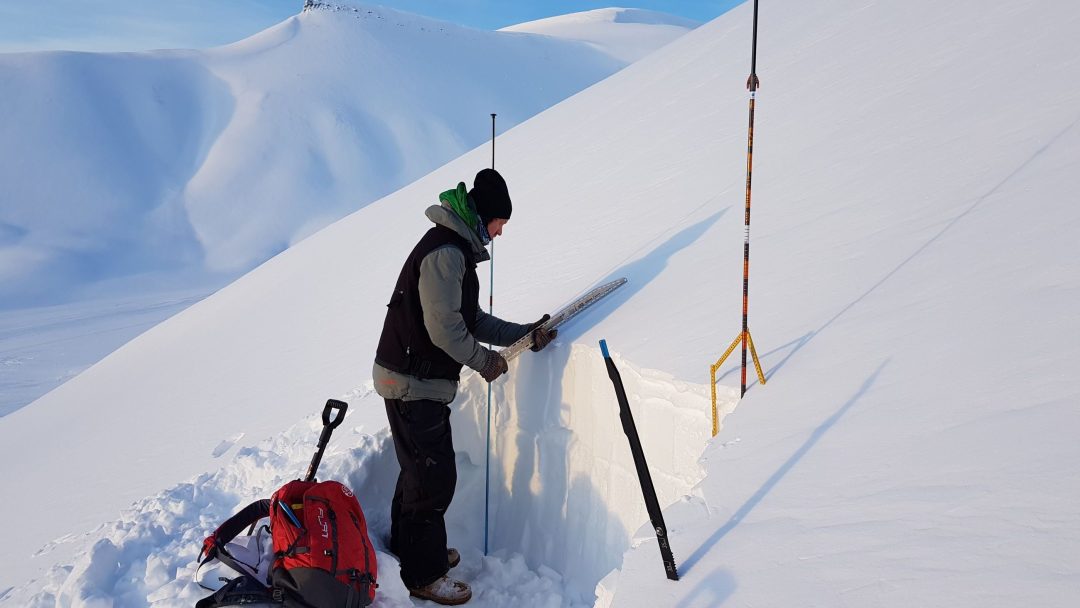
(491, 311)
(752, 84)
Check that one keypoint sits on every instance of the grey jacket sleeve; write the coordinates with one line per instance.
(441, 274)
(494, 330)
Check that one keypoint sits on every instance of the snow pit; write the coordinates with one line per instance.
(565, 501)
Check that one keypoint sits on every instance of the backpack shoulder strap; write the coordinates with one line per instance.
(247, 517)
(230, 529)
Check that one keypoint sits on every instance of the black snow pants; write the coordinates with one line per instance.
(425, 487)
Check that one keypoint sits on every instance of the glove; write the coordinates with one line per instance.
(494, 367)
(541, 337)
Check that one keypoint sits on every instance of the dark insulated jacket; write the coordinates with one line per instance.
(405, 345)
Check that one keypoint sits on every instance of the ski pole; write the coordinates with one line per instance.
(652, 503)
(328, 428)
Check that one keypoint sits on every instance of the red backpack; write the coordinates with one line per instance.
(323, 557)
(322, 552)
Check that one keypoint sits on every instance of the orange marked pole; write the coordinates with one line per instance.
(752, 84)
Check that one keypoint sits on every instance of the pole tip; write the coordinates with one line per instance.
(604, 350)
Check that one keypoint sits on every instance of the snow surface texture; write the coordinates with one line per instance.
(129, 175)
(916, 281)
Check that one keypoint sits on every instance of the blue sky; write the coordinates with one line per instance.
(132, 25)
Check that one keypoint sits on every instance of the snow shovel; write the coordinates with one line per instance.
(652, 504)
(329, 424)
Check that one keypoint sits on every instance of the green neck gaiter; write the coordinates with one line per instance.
(458, 199)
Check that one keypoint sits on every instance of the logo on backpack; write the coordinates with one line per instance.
(322, 523)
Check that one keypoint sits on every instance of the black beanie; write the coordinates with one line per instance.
(490, 195)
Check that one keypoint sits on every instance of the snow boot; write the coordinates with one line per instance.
(445, 591)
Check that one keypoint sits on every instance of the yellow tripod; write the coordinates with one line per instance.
(716, 366)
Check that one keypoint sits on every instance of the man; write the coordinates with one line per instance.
(434, 326)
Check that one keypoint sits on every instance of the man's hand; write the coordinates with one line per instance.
(494, 367)
(541, 337)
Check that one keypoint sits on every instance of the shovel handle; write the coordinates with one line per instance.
(329, 424)
(331, 406)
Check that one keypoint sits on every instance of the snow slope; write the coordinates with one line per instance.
(133, 174)
(628, 34)
(45, 346)
(915, 443)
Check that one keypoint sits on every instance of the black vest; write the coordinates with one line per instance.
(405, 345)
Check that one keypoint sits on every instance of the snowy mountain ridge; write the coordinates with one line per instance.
(613, 14)
(618, 32)
(185, 118)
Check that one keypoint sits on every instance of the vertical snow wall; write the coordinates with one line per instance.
(564, 490)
